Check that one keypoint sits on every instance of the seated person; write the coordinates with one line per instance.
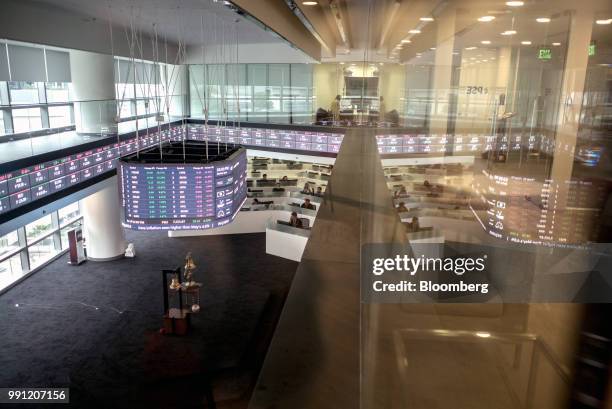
(264, 176)
(278, 188)
(307, 205)
(284, 178)
(414, 225)
(401, 192)
(307, 189)
(255, 202)
(401, 208)
(427, 184)
(319, 191)
(295, 221)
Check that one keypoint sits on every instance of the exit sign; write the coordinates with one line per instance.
(545, 54)
(591, 50)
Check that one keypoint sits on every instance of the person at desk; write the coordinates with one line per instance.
(295, 221)
(414, 224)
(382, 109)
(284, 178)
(307, 205)
(401, 207)
(401, 192)
(307, 189)
(319, 191)
(264, 176)
(335, 108)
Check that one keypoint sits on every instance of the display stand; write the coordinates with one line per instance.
(75, 246)
(180, 301)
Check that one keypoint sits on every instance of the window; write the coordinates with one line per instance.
(59, 116)
(39, 228)
(42, 251)
(9, 243)
(10, 270)
(26, 119)
(68, 213)
(57, 92)
(23, 92)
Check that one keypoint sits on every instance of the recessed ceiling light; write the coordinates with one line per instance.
(603, 22)
(543, 20)
(310, 3)
(426, 19)
(509, 33)
(486, 19)
(432, 48)
(485, 42)
(514, 3)
(556, 44)
(406, 41)
(526, 42)
(381, 63)
(341, 63)
(470, 48)
(415, 31)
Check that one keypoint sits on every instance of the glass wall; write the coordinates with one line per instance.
(32, 106)
(278, 93)
(37, 243)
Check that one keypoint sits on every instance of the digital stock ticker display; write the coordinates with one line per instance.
(183, 196)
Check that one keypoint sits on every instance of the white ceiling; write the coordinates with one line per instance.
(176, 20)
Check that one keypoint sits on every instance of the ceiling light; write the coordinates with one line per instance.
(485, 42)
(543, 20)
(509, 33)
(486, 19)
(470, 48)
(406, 41)
(341, 63)
(603, 22)
(526, 42)
(415, 31)
(483, 334)
(310, 3)
(556, 44)
(381, 63)
(426, 19)
(514, 3)
(432, 48)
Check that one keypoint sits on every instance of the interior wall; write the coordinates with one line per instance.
(328, 81)
(392, 80)
(255, 53)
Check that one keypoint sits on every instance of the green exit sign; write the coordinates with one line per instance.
(545, 54)
(591, 50)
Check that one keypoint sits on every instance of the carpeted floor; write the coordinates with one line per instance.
(95, 328)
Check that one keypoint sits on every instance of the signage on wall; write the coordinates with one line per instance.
(545, 53)
(476, 90)
(591, 49)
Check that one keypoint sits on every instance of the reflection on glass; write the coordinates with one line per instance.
(68, 213)
(10, 270)
(9, 243)
(38, 228)
(42, 251)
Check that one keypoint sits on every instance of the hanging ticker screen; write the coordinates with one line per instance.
(183, 196)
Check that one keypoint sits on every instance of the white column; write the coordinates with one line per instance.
(104, 234)
(93, 90)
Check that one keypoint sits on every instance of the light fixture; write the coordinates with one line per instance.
(509, 33)
(341, 63)
(470, 48)
(406, 41)
(604, 22)
(543, 20)
(415, 31)
(556, 44)
(426, 19)
(483, 334)
(381, 63)
(310, 3)
(432, 48)
(515, 3)
(486, 19)
(526, 42)
(485, 42)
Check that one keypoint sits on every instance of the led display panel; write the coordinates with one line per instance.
(192, 195)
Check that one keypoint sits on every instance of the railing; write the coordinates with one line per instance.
(283, 228)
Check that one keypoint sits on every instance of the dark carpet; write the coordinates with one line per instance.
(95, 328)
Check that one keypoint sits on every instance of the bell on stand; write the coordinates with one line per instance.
(174, 284)
(190, 266)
